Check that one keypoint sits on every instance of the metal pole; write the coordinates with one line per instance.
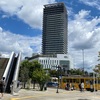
(97, 81)
(57, 90)
(94, 80)
(83, 59)
(94, 85)
(58, 79)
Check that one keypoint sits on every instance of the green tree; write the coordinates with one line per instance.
(76, 72)
(24, 71)
(34, 66)
(33, 70)
(53, 73)
(41, 77)
(79, 72)
(97, 67)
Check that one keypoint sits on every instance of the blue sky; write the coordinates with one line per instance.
(21, 28)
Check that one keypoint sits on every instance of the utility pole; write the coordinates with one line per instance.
(83, 59)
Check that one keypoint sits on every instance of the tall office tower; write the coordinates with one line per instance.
(55, 23)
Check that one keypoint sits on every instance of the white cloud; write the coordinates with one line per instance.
(11, 42)
(93, 3)
(30, 11)
(84, 34)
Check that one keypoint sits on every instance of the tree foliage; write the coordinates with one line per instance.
(24, 70)
(97, 67)
(33, 70)
(76, 72)
(41, 77)
(69, 72)
(53, 73)
(34, 65)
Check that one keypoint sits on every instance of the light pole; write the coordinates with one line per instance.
(83, 59)
(58, 68)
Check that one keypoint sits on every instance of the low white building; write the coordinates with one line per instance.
(51, 62)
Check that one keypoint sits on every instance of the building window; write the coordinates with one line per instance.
(65, 57)
(46, 61)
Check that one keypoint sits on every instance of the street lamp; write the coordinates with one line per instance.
(83, 59)
(58, 69)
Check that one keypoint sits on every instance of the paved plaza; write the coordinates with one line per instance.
(50, 94)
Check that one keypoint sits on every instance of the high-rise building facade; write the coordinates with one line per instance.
(54, 38)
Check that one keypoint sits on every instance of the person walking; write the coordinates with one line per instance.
(82, 86)
(2, 84)
(68, 86)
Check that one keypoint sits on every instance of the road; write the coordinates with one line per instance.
(50, 94)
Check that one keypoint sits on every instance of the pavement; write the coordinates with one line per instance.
(50, 94)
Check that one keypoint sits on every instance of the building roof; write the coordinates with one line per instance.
(40, 55)
(54, 4)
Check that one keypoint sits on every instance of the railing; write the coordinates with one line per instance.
(16, 73)
(8, 68)
(11, 72)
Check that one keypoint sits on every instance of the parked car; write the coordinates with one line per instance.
(52, 84)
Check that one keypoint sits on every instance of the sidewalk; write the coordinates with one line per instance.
(51, 94)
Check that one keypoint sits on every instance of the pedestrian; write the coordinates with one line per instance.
(68, 86)
(82, 86)
(45, 86)
(72, 86)
(2, 85)
(11, 87)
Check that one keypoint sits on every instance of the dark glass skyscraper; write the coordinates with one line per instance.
(54, 38)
